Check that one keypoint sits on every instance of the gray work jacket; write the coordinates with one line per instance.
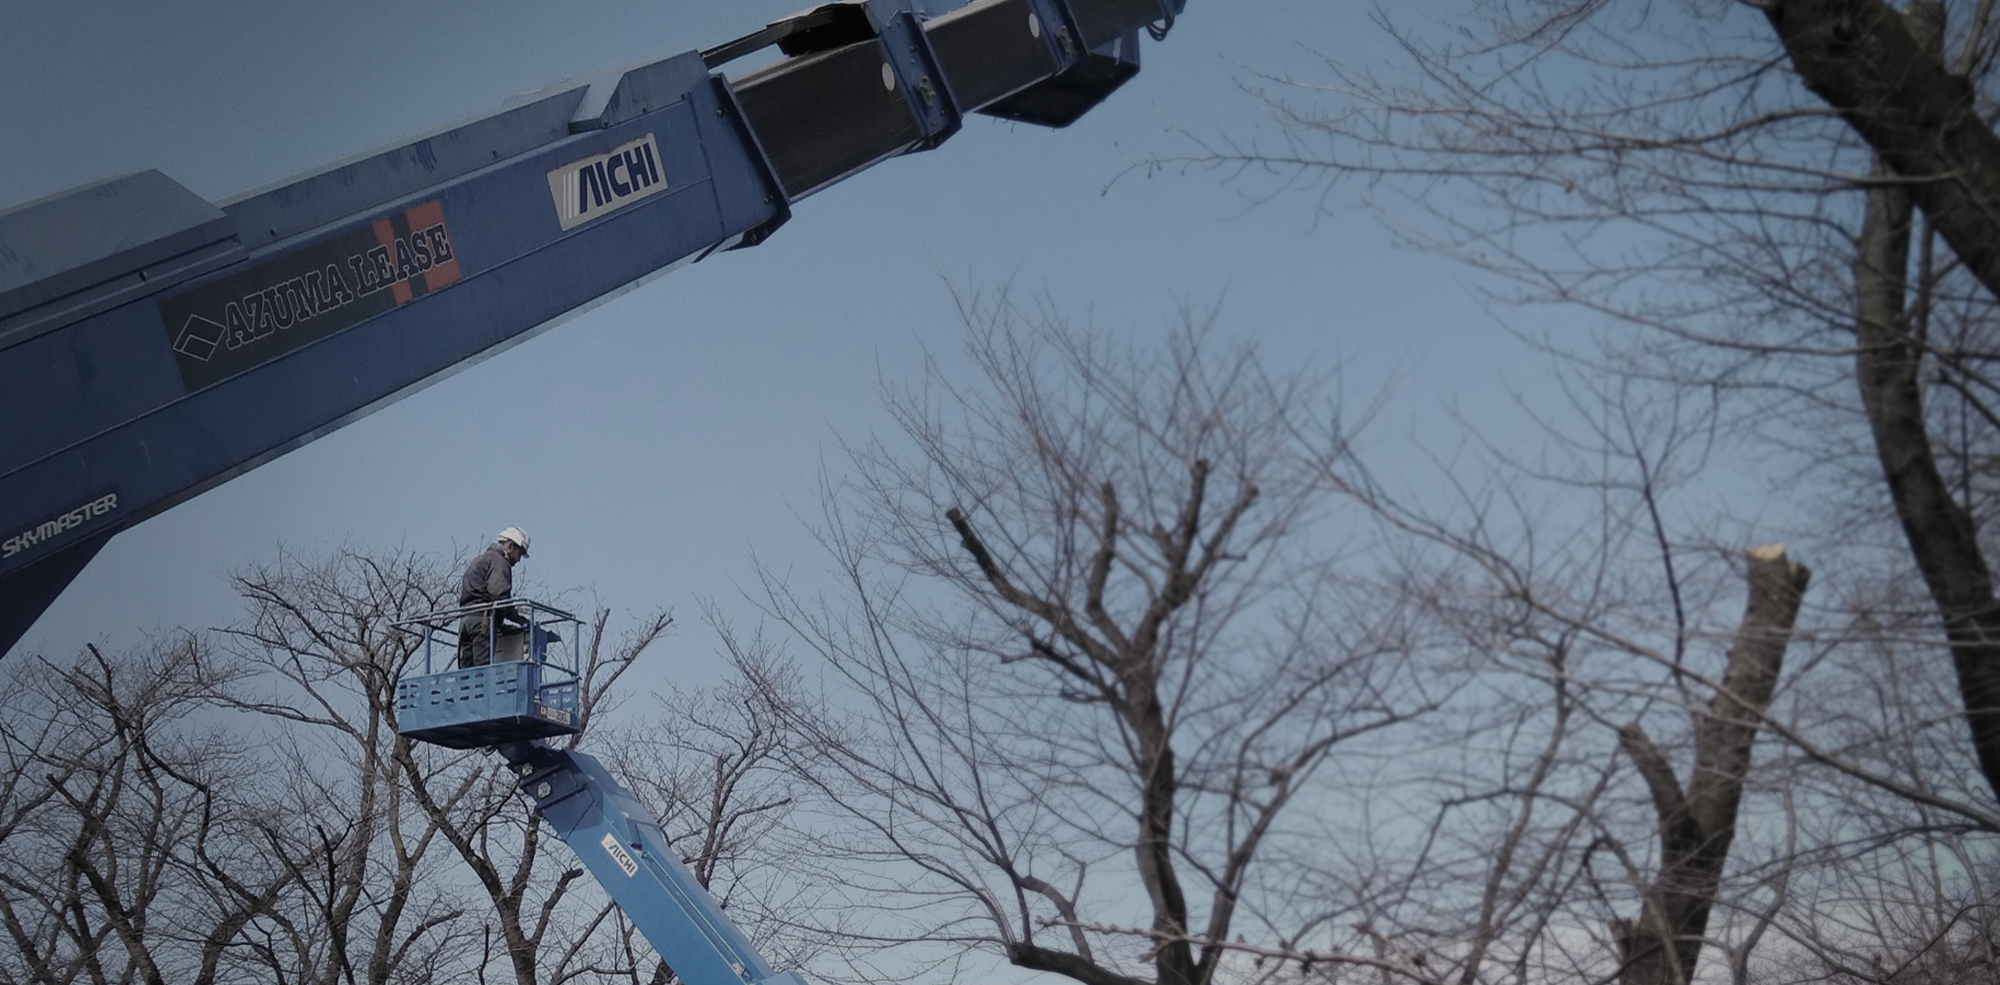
(489, 578)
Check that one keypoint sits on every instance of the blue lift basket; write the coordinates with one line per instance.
(528, 689)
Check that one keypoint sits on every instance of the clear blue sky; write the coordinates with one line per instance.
(652, 444)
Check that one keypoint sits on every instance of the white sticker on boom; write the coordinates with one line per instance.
(597, 186)
(618, 855)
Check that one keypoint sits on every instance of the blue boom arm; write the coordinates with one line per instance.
(623, 847)
(154, 345)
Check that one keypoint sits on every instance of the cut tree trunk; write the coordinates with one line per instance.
(1698, 821)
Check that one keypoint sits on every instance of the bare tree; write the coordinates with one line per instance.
(126, 852)
(321, 632)
(1106, 649)
(237, 806)
(1698, 820)
(1012, 733)
(1599, 631)
(1784, 199)
(324, 661)
(1666, 168)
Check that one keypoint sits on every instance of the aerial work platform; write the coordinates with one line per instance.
(528, 694)
(528, 689)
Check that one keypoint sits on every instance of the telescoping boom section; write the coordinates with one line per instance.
(626, 851)
(154, 344)
(514, 694)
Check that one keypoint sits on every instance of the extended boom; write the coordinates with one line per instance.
(154, 344)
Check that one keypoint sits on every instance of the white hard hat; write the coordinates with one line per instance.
(518, 537)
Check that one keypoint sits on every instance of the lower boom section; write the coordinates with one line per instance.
(626, 851)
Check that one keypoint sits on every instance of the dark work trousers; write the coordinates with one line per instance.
(475, 640)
